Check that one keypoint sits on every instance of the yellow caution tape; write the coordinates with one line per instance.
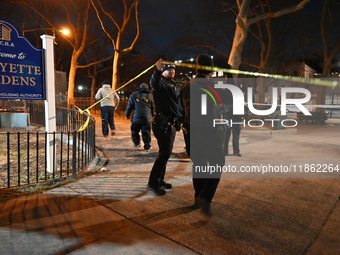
(87, 110)
(313, 81)
(88, 114)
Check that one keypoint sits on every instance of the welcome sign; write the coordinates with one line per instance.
(21, 66)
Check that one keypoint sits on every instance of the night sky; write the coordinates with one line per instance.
(174, 28)
(164, 23)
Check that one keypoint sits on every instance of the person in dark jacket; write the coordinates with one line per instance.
(233, 120)
(141, 103)
(165, 123)
(204, 141)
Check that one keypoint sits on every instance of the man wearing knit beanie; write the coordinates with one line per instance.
(165, 123)
(204, 60)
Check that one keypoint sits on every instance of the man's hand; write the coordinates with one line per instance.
(160, 65)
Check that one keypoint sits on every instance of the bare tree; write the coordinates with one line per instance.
(76, 14)
(122, 26)
(331, 41)
(95, 54)
(330, 35)
(244, 21)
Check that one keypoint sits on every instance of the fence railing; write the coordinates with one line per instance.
(23, 157)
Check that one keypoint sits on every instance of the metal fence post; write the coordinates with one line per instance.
(74, 153)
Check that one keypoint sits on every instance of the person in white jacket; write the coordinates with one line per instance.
(107, 107)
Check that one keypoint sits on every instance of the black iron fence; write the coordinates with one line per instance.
(24, 156)
(66, 119)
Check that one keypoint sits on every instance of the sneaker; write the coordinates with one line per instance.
(166, 185)
(137, 146)
(156, 191)
(112, 132)
(148, 149)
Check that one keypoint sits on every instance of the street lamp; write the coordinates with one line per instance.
(63, 31)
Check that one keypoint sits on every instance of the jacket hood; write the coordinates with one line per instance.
(144, 90)
(106, 86)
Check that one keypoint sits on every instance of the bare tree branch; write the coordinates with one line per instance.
(279, 13)
(96, 62)
(102, 23)
(117, 42)
(138, 29)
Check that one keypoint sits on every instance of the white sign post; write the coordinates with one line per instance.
(50, 110)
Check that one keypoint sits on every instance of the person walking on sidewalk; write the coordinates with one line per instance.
(107, 107)
(235, 130)
(165, 123)
(204, 142)
(235, 121)
(141, 103)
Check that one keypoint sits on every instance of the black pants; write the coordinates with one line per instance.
(146, 137)
(236, 131)
(205, 188)
(186, 136)
(107, 115)
(165, 140)
(205, 184)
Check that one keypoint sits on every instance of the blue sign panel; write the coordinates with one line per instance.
(21, 66)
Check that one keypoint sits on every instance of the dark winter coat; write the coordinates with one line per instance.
(165, 95)
(191, 104)
(141, 103)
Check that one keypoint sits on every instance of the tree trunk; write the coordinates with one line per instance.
(71, 80)
(320, 99)
(115, 70)
(240, 34)
(237, 48)
(243, 22)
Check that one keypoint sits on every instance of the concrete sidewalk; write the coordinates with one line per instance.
(111, 212)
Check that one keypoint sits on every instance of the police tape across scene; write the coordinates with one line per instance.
(312, 81)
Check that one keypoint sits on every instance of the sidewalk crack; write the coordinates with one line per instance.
(310, 243)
